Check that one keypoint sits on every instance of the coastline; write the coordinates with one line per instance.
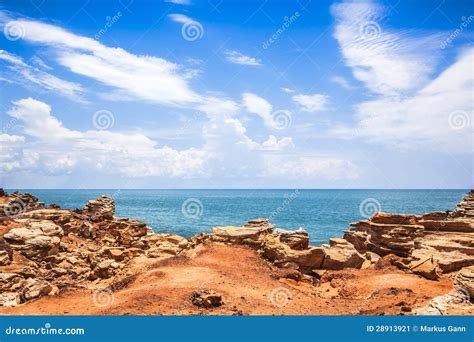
(58, 261)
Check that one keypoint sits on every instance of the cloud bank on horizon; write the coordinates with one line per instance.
(190, 104)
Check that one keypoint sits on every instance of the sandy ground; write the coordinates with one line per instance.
(248, 285)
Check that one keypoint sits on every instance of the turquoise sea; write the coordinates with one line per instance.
(323, 213)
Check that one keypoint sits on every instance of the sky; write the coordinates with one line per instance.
(236, 94)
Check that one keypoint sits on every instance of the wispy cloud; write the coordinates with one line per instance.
(146, 78)
(438, 117)
(180, 2)
(388, 61)
(288, 90)
(311, 103)
(341, 81)
(411, 111)
(16, 70)
(180, 18)
(239, 58)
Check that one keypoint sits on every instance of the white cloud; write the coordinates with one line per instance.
(239, 58)
(180, 18)
(258, 105)
(311, 103)
(16, 70)
(439, 116)
(145, 78)
(342, 82)
(288, 90)
(308, 167)
(180, 2)
(387, 61)
(59, 149)
(51, 148)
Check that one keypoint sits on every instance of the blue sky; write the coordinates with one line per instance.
(236, 94)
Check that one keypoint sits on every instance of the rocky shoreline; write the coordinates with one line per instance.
(53, 256)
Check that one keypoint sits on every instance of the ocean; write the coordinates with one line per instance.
(323, 213)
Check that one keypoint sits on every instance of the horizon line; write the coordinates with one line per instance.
(223, 189)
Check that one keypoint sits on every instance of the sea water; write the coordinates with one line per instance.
(323, 213)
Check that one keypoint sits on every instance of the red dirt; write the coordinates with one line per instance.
(247, 284)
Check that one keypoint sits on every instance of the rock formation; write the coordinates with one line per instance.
(44, 251)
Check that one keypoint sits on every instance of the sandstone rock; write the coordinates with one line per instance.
(384, 238)
(239, 232)
(9, 299)
(465, 208)
(206, 299)
(372, 257)
(100, 208)
(280, 253)
(465, 280)
(341, 254)
(10, 281)
(115, 253)
(297, 239)
(125, 231)
(104, 269)
(428, 269)
(34, 288)
(4, 258)
(447, 261)
(441, 305)
(37, 238)
(387, 218)
(261, 223)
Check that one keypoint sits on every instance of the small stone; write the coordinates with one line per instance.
(9, 299)
(206, 299)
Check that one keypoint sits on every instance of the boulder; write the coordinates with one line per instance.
(464, 280)
(36, 239)
(102, 208)
(341, 254)
(295, 239)
(4, 258)
(125, 231)
(10, 281)
(280, 253)
(428, 269)
(34, 288)
(206, 299)
(104, 269)
(9, 299)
